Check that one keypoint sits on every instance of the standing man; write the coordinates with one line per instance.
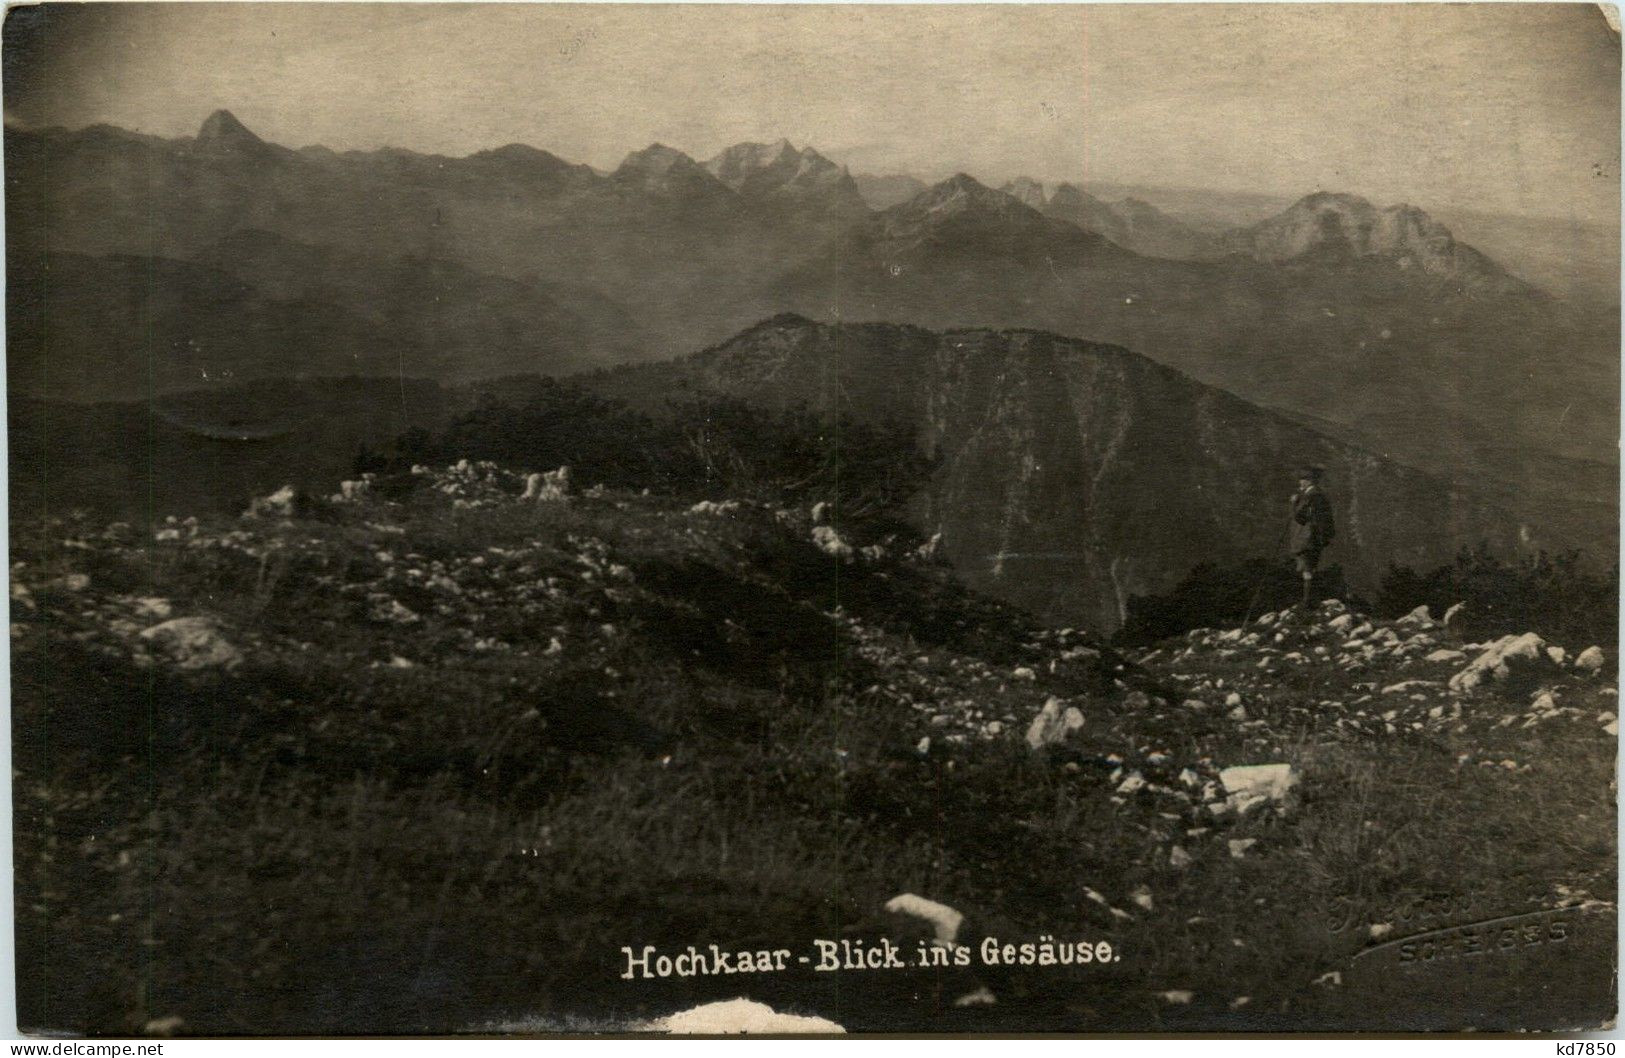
(1311, 527)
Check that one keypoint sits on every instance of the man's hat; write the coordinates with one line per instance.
(1311, 473)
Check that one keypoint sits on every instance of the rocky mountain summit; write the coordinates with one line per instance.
(1333, 227)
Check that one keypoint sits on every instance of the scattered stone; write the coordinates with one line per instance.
(194, 643)
(1421, 617)
(1178, 858)
(982, 997)
(1557, 654)
(1053, 724)
(1239, 846)
(944, 920)
(714, 508)
(1141, 898)
(154, 608)
(387, 610)
(283, 503)
(1590, 660)
(1445, 655)
(1251, 786)
(830, 543)
(552, 486)
(1496, 662)
(1178, 996)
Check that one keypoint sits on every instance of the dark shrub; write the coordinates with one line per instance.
(1557, 597)
(1214, 596)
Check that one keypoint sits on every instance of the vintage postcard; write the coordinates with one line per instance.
(974, 519)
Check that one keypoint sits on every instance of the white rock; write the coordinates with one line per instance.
(1420, 616)
(923, 746)
(550, 487)
(1493, 663)
(830, 542)
(1253, 785)
(1178, 996)
(1141, 898)
(194, 643)
(742, 1016)
(1444, 655)
(982, 997)
(1239, 846)
(1379, 930)
(1178, 858)
(1557, 654)
(1590, 660)
(713, 507)
(944, 920)
(1453, 614)
(1053, 724)
(279, 504)
(155, 608)
(1023, 673)
(820, 512)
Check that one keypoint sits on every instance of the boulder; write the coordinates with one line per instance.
(1254, 785)
(1421, 617)
(550, 487)
(352, 491)
(283, 503)
(1053, 724)
(1591, 659)
(943, 920)
(1445, 654)
(194, 643)
(830, 543)
(1498, 660)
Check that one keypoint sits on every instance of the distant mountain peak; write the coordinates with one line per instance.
(1340, 225)
(666, 172)
(657, 158)
(779, 171)
(222, 128)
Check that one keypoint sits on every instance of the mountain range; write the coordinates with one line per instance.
(142, 265)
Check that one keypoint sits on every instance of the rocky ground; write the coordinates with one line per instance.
(425, 754)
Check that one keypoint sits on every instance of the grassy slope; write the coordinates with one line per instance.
(725, 747)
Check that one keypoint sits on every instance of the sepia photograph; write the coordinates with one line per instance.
(802, 519)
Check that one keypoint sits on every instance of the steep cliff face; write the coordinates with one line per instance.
(1072, 475)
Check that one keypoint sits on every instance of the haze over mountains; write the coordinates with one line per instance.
(142, 265)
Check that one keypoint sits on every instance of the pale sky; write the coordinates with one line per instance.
(1504, 107)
